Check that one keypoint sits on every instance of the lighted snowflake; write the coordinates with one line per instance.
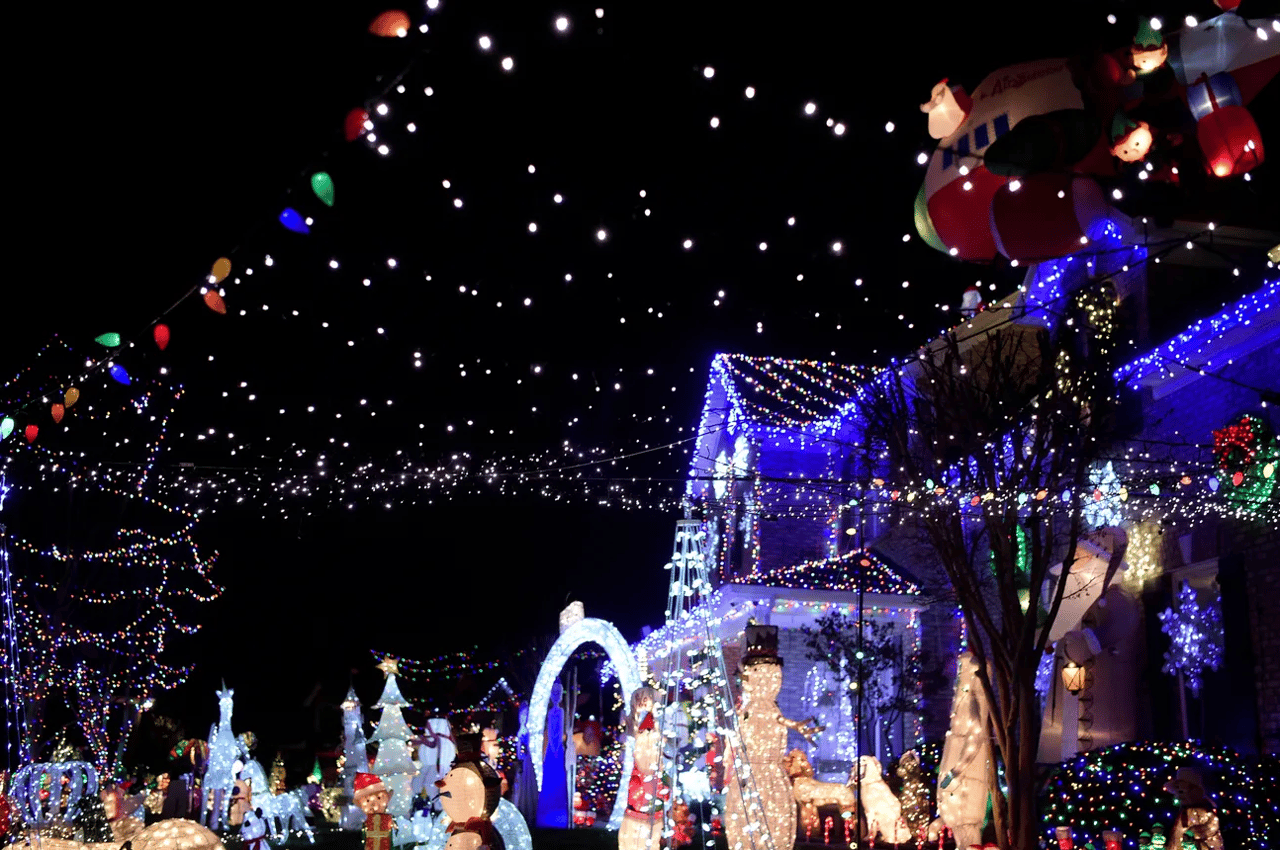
(1102, 501)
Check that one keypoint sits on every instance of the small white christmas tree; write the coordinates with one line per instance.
(394, 762)
(354, 749)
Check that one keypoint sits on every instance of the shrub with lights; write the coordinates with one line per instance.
(1120, 789)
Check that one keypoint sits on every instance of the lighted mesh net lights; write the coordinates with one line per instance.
(177, 834)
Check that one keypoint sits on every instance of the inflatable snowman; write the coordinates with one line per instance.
(470, 793)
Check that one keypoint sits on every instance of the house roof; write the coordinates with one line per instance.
(861, 568)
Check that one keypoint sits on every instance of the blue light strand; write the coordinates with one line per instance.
(1199, 337)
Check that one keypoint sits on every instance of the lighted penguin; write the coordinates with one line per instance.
(966, 756)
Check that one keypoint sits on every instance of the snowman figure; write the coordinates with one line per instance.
(470, 793)
(253, 831)
(372, 797)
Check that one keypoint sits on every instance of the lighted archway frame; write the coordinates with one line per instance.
(589, 630)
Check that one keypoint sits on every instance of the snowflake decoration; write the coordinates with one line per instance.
(1196, 632)
(1102, 502)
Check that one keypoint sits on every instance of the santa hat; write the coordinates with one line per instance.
(367, 785)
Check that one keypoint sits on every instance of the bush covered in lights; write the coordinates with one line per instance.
(1121, 788)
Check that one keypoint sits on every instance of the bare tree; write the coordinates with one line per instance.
(985, 443)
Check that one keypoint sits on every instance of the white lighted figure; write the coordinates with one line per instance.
(962, 771)
(642, 825)
(253, 831)
(758, 795)
(470, 793)
(882, 808)
(945, 109)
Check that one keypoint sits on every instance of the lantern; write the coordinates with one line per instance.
(390, 24)
(213, 300)
(353, 127)
(1073, 677)
(56, 411)
(31, 432)
(221, 268)
(161, 335)
(322, 185)
(292, 220)
(71, 396)
(1230, 141)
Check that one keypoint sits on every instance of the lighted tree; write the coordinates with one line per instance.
(867, 657)
(103, 576)
(394, 762)
(984, 446)
(1195, 632)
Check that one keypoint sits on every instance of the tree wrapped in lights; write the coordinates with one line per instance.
(1195, 632)
(97, 619)
(985, 442)
(103, 576)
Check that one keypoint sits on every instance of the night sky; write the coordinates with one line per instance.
(153, 140)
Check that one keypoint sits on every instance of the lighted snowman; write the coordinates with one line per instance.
(759, 795)
(470, 793)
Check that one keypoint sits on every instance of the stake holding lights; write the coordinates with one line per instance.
(293, 221)
(322, 185)
(213, 300)
(392, 23)
(355, 124)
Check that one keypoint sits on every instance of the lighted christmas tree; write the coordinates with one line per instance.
(278, 774)
(394, 763)
(354, 749)
(1196, 632)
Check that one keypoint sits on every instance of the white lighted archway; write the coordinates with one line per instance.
(589, 630)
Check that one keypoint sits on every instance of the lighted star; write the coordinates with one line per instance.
(390, 666)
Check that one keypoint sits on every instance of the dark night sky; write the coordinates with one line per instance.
(155, 139)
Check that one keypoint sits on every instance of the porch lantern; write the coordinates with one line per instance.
(1073, 677)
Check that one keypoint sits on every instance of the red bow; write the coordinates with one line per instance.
(481, 826)
(646, 724)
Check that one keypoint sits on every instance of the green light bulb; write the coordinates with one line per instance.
(109, 340)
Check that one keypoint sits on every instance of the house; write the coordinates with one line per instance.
(798, 521)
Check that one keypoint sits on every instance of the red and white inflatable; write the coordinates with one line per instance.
(1215, 68)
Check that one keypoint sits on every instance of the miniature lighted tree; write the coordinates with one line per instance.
(394, 762)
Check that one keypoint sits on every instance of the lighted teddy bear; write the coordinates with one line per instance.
(1196, 816)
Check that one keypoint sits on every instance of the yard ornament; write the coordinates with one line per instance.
(1049, 139)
